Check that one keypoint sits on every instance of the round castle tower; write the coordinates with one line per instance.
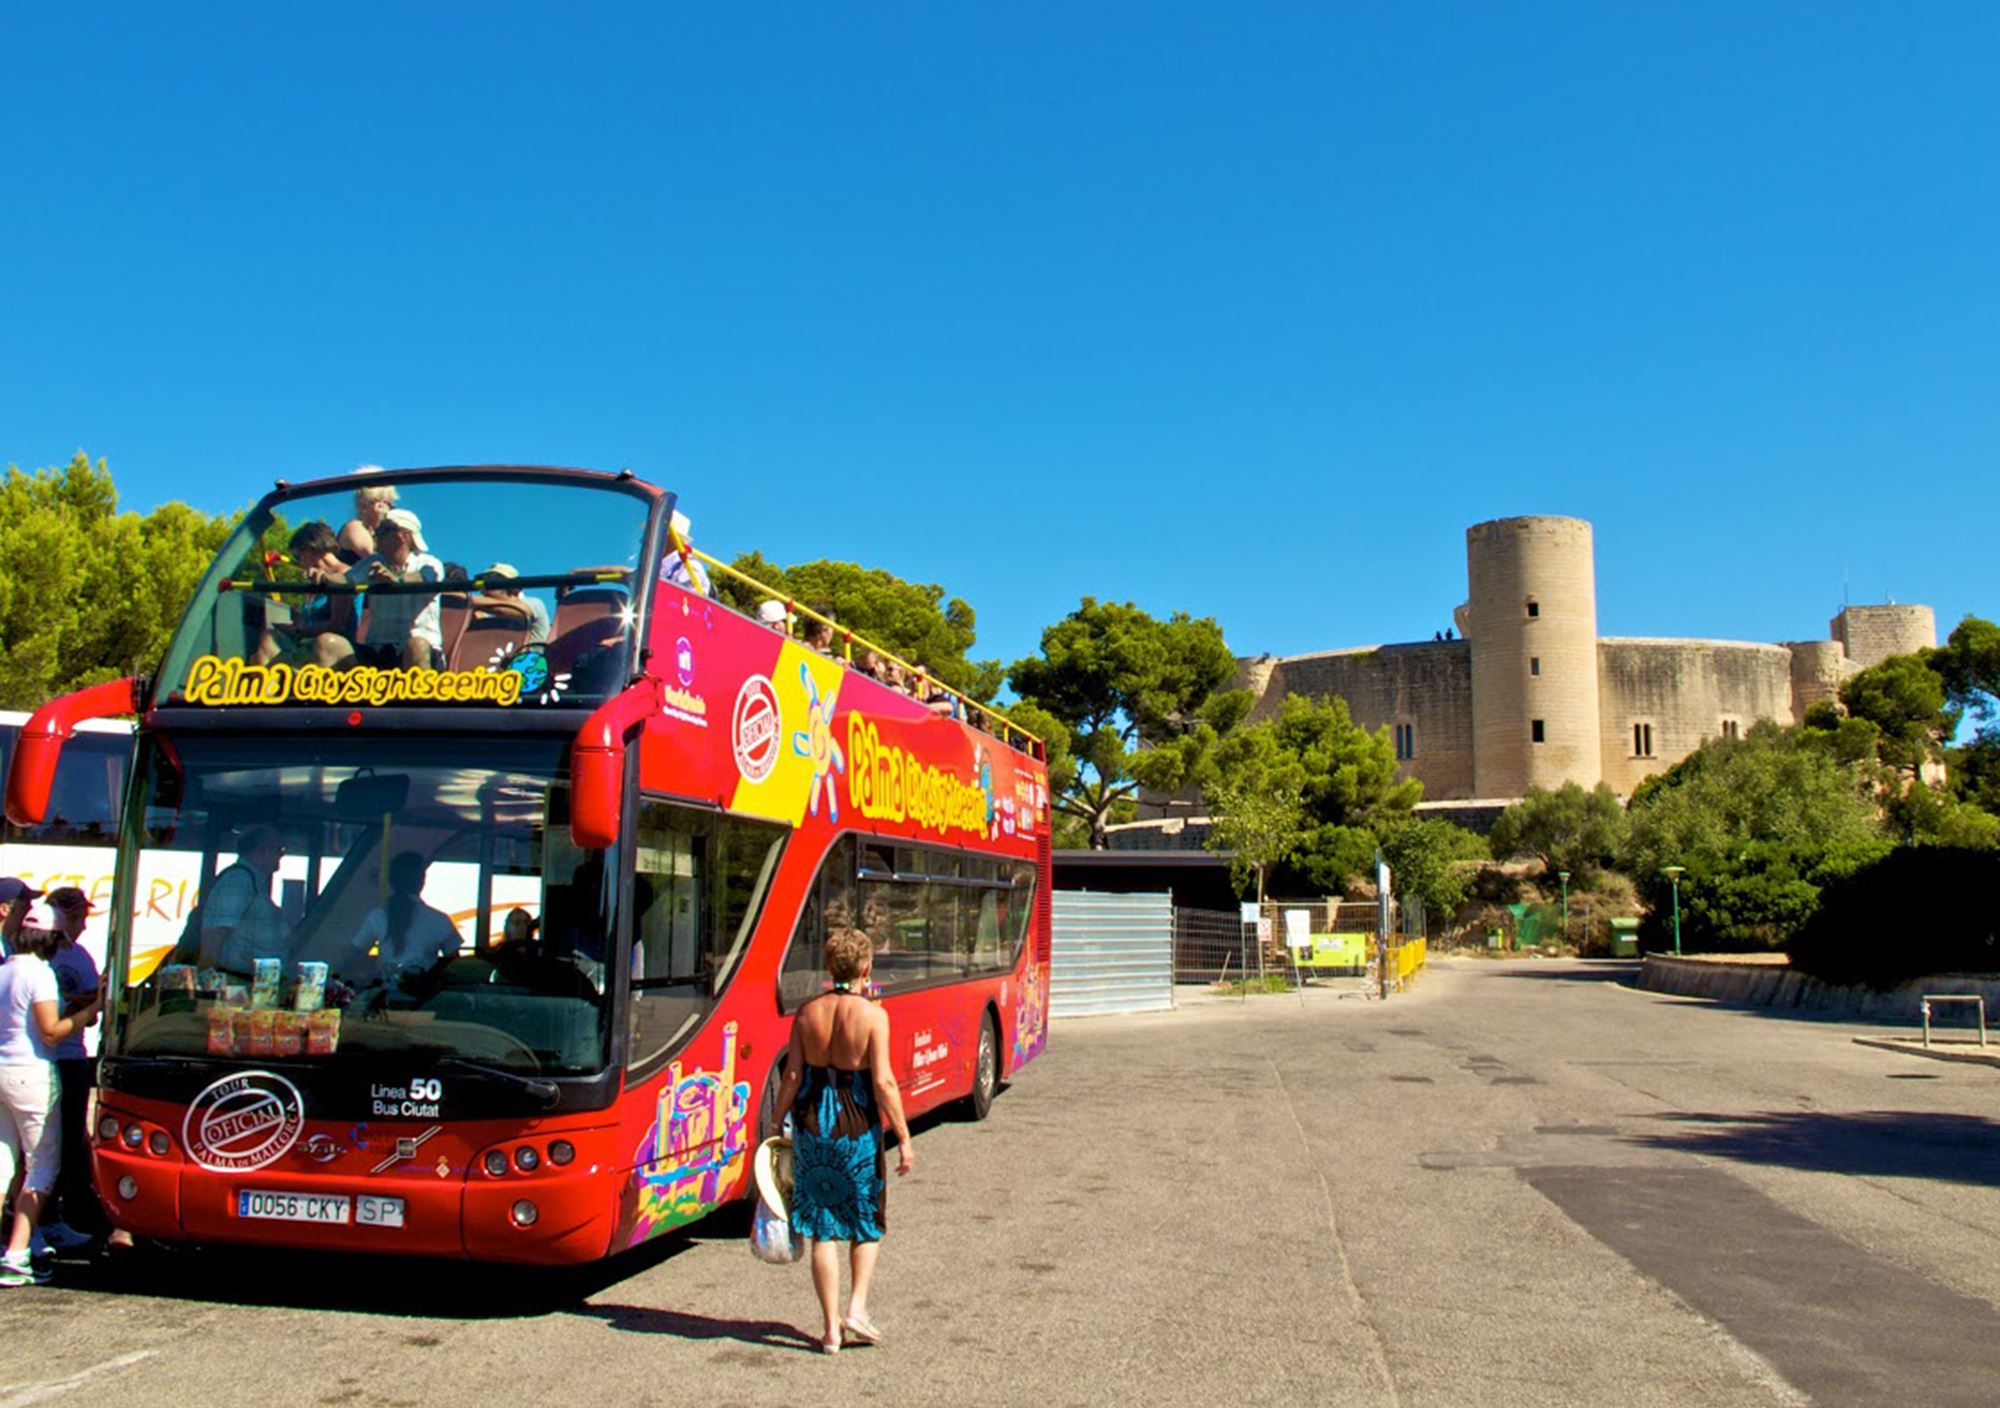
(1531, 617)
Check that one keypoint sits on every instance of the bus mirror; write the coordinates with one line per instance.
(367, 797)
(597, 764)
(31, 774)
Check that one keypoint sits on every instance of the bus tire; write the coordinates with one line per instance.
(985, 1071)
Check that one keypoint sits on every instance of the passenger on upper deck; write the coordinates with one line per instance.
(316, 552)
(402, 628)
(372, 503)
(685, 570)
(818, 635)
(772, 613)
(510, 601)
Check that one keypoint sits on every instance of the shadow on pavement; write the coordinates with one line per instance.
(373, 1285)
(650, 1320)
(1898, 1143)
(1575, 970)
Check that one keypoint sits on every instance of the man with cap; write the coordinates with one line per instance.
(403, 628)
(16, 896)
(495, 597)
(75, 1219)
(773, 614)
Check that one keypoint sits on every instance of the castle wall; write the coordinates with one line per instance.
(1671, 695)
(1531, 614)
(1426, 685)
(1872, 634)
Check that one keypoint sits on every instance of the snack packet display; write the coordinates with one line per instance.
(323, 1032)
(288, 1033)
(209, 980)
(234, 995)
(263, 1031)
(310, 995)
(177, 977)
(221, 1032)
(267, 979)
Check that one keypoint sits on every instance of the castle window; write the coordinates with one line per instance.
(1536, 732)
(1534, 664)
(1730, 729)
(1642, 740)
(1406, 742)
(1534, 608)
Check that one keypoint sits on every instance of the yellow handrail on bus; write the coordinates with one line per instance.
(1006, 729)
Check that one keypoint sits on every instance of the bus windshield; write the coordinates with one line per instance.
(419, 591)
(362, 895)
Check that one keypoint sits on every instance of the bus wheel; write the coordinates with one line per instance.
(985, 1072)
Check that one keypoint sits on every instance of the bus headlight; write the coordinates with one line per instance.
(525, 1213)
(107, 1129)
(527, 1159)
(561, 1152)
(134, 1136)
(495, 1162)
(158, 1142)
(128, 1187)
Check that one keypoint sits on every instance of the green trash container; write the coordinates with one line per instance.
(1625, 938)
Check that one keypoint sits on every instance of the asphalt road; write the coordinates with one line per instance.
(1522, 1183)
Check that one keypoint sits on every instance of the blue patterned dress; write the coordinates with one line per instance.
(839, 1187)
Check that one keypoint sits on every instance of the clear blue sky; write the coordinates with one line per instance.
(1247, 310)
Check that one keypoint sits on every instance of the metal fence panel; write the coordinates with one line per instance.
(1113, 953)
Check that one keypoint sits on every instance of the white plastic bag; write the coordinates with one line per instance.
(771, 1237)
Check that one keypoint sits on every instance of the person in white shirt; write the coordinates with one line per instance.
(408, 935)
(31, 1025)
(404, 629)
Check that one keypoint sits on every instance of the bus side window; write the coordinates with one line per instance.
(829, 906)
(699, 881)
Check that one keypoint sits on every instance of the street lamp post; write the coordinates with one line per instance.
(1563, 875)
(1673, 874)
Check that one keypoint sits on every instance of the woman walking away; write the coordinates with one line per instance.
(838, 1084)
(31, 1025)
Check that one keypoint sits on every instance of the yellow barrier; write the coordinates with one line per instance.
(1406, 960)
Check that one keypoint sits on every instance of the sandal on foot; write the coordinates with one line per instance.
(830, 1346)
(861, 1331)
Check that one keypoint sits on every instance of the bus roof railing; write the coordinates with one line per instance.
(1002, 727)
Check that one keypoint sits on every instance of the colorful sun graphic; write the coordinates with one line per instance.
(985, 769)
(816, 741)
(538, 681)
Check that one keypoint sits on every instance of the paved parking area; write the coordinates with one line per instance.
(1521, 1183)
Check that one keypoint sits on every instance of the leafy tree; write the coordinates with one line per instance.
(1344, 776)
(1969, 664)
(1425, 855)
(1565, 829)
(1904, 698)
(1761, 824)
(88, 593)
(1141, 699)
(912, 620)
(1260, 829)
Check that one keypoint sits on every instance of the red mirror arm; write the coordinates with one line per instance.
(597, 764)
(32, 774)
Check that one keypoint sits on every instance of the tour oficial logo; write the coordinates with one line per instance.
(243, 1122)
(756, 728)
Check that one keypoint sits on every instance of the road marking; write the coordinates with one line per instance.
(1378, 1350)
(21, 1395)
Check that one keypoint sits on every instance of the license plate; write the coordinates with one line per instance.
(293, 1207)
(378, 1212)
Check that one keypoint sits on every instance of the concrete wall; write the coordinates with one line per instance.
(1871, 634)
(1533, 667)
(1684, 690)
(1426, 684)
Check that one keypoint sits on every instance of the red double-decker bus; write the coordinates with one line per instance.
(502, 884)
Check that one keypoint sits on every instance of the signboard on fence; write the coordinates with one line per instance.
(1298, 928)
(1264, 932)
(1250, 909)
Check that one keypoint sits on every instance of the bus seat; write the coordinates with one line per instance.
(486, 638)
(454, 611)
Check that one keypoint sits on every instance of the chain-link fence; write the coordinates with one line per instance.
(1219, 948)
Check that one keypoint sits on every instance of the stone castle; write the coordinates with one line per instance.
(1530, 695)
